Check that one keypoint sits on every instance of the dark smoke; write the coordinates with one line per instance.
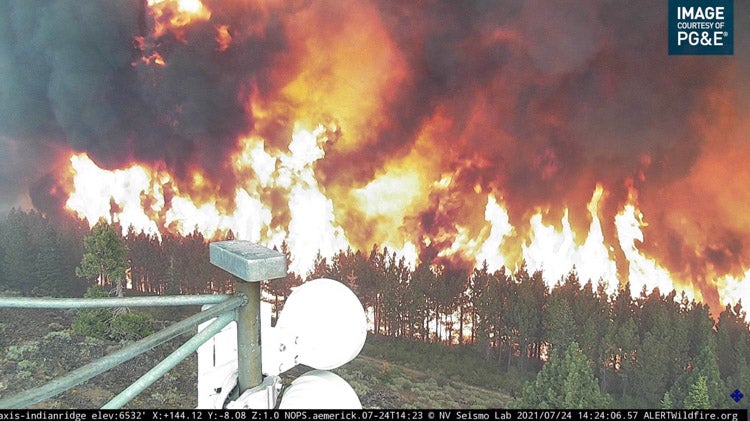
(546, 98)
(71, 72)
(556, 96)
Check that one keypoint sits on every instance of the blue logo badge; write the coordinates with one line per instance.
(736, 395)
(701, 27)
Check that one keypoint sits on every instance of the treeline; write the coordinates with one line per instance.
(641, 350)
(39, 257)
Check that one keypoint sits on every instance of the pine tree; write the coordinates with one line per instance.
(733, 340)
(626, 342)
(741, 377)
(558, 321)
(704, 366)
(698, 395)
(17, 264)
(105, 257)
(530, 296)
(48, 267)
(666, 401)
(662, 356)
(566, 381)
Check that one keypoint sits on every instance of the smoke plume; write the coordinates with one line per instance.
(429, 108)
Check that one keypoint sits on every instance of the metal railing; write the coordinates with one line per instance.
(249, 263)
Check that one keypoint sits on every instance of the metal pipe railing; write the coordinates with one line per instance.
(248, 263)
(154, 301)
(170, 361)
(80, 375)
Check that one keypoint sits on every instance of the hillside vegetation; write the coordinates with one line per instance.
(40, 345)
(494, 329)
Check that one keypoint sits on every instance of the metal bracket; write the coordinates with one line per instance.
(245, 300)
(247, 261)
(263, 396)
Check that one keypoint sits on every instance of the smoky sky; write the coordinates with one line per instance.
(71, 73)
(546, 98)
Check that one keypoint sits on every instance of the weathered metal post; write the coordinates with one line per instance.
(250, 263)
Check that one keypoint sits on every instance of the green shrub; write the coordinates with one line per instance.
(130, 326)
(55, 326)
(57, 335)
(27, 365)
(92, 322)
(386, 374)
(446, 361)
(17, 352)
(361, 389)
(102, 323)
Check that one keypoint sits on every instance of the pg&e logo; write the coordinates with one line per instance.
(701, 27)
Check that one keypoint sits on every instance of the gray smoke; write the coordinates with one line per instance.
(546, 98)
(71, 74)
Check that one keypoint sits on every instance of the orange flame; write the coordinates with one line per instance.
(173, 15)
(223, 37)
(556, 253)
(120, 196)
(449, 177)
(152, 200)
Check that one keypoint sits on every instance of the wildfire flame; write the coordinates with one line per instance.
(557, 253)
(173, 15)
(121, 195)
(455, 135)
